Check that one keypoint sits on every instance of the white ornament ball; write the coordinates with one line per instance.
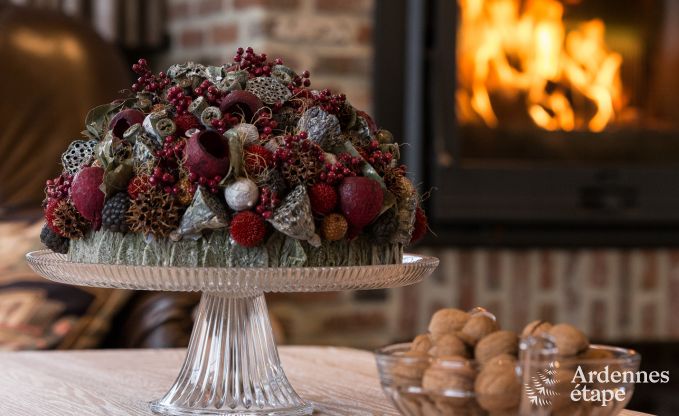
(241, 194)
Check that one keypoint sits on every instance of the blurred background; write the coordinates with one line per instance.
(546, 131)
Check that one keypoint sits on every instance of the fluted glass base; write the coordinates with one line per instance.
(232, 365)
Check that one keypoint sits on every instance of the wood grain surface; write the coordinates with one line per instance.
(338, 381)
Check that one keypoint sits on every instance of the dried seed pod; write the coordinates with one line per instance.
(569, 339)
(496, 343)
(322, 128)
(69, 222)
(283, 74)
(206, 212)
(153, 212)
(197, 106)
(293, 217)
(334, 227)
(447, 321)
(209, 114)
(241, 194)
(78, 154)
(268, 89)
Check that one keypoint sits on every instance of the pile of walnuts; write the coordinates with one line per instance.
(468, 352)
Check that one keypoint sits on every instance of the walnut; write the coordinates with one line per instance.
(497, 386)
(445, 375)
(569, 339)
(536, 327)
(468, 340)
(447, 321)
(478, 326)
(496, 343)
(409, 370)
(448, 345)
(422, 343)
(501, 362)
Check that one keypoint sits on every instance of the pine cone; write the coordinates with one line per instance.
(153, 212)
(68, 220)
(53, 241)
(114, 214)
(384, 228)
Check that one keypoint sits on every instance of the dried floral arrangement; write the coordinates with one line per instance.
(243, 157)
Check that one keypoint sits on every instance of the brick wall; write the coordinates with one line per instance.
(612, 294)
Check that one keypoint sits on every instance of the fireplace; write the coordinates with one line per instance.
(537, 121)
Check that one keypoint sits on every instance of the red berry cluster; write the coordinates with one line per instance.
(226, 122)
(345, 166)
(186, 122)
(212, 184)
(293, 146)
(146, 80)
(176, 97)
(58, 187)
(268, 201)
(172, 150)
(328, 102)
(209, 91)
(265, 125)
(377, 159)
(255, 64)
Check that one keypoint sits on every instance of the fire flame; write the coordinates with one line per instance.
(521, 51)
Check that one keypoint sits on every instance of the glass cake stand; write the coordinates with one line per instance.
(232, 365)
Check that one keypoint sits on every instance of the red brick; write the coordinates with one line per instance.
(493, 272)
(410, 300)
(364, 34)
(268, 4)
(548, 312)
(520, 288)
(355, 321)
(178, 10)
(598, 273)
(649, 320)
(206, 7)
(191, 37)
(342, 65)
(649, 280)
(466, 278)
(546, 267)
(349, 6)
(224, 33)
(599, 310)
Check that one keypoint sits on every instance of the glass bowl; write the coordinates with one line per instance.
(544, 383)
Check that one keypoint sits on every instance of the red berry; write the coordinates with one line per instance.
(248, 229)
(323, 198)
(420, 227)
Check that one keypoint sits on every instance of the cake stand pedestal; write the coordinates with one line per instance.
(232, 365)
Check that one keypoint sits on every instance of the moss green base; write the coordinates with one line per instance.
(216, 249)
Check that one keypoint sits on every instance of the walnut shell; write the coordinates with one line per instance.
(442, 376)
(422, 343)
(478, 326)
(410, 373)
(569, 339)
(502, 362)
(496, 343)
(497, 388)
(447, 321)
(536, 327)
(448, 345)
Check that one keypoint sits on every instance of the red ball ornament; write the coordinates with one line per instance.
(323, 198)
(360, 200)
(420, 226)
(207, 154)
(186, 122)
(248, 229)
(86, 195)
(257, 159)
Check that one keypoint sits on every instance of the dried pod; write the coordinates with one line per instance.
(422, 343)
(448, 344)
(268, 89)
(207, 154)
(496, 343)
(283, 74)
(78, 154)
(210, 114)
(206, 212)
(447, 321)
(68, 221)
(569, 339)
(497, 386)
(150, 124)
(322, 128)
(450, 373)
(124, 120)
(334, 227)
(247, 133)
(243, 102)
(536, 327)
(478, 326)
(197, 106)
(293, 217)
(241, 194)
(153, 212)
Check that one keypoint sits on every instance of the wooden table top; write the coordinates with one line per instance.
(339, 381)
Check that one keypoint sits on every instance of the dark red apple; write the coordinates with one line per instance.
(86, 196)
(207, 154)
(360, 200)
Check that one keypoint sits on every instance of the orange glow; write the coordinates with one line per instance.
(518, 54)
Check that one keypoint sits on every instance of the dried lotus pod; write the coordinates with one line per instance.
(151, 124)
(205, 212)
(496, 343)
(448, 344)
(283, 74)
(268, 89)
(536, 327)
(321, 127)
(293, 217)
(197, 106)
(78, 154)
(569, 340)
(421, 343)
(209, 114)
(447, 321)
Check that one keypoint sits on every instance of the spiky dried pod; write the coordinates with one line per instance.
(154, 212)
(68, 220)
(398, 184)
